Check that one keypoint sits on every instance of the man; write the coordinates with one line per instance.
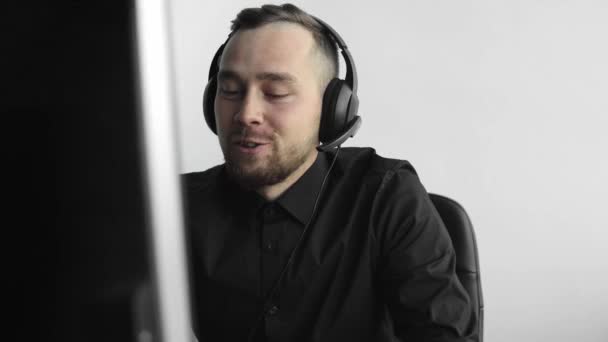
(292, 244)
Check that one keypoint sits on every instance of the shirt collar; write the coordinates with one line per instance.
(245, 202)
(300, 198)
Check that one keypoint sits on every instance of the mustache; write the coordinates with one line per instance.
(247, 133)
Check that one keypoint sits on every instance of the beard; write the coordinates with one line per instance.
(253, 172)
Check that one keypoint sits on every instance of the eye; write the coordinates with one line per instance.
(229, 93)
(277, 96)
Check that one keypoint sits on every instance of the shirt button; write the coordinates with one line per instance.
(273, 310)
(270, 246)
(269, 211)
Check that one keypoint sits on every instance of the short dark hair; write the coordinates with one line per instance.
(250, 18)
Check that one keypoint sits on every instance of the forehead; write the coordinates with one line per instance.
(275, 47)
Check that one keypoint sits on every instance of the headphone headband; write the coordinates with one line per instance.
(213, 68)
(351, 72)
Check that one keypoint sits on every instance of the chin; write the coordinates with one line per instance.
(256, 177)
(257, 171)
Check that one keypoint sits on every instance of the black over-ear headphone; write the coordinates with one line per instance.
(339, 119)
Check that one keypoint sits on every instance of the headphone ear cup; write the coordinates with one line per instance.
(335, 110)
(209, 104)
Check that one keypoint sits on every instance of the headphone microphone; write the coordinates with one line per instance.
(351, 130)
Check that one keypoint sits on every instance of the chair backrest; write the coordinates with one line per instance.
(461, 231)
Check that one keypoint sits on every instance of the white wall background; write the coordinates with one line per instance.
(502, 105)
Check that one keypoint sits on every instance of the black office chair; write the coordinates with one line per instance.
(461, 231)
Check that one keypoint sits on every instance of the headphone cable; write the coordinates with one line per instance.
(275, 286)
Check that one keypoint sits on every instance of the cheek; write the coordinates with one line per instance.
(310, 113)
(299, 119)
(222, 111)
(222, 121)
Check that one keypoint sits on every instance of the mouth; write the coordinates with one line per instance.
(250, 146)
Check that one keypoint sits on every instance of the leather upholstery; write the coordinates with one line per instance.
(461, 231)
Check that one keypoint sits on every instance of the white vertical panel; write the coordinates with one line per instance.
(159, 145)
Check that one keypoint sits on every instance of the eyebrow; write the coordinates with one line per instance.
(263, 76)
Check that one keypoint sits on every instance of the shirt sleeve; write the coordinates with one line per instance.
(416, 265)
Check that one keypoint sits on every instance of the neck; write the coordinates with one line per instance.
(272, 192)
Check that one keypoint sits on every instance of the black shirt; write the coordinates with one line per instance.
(377, 261)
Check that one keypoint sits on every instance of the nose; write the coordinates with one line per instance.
(250, 111)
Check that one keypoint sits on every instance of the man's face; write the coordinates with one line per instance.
(268, 103)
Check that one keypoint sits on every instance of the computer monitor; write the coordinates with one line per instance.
(101, 250)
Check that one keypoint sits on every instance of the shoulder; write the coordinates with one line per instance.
(386, 184)
(399, 203)
(201, 181)
(369, 166)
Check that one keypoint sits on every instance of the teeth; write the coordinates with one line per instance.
(251, 144)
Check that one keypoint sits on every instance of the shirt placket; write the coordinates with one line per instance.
(271, 261)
